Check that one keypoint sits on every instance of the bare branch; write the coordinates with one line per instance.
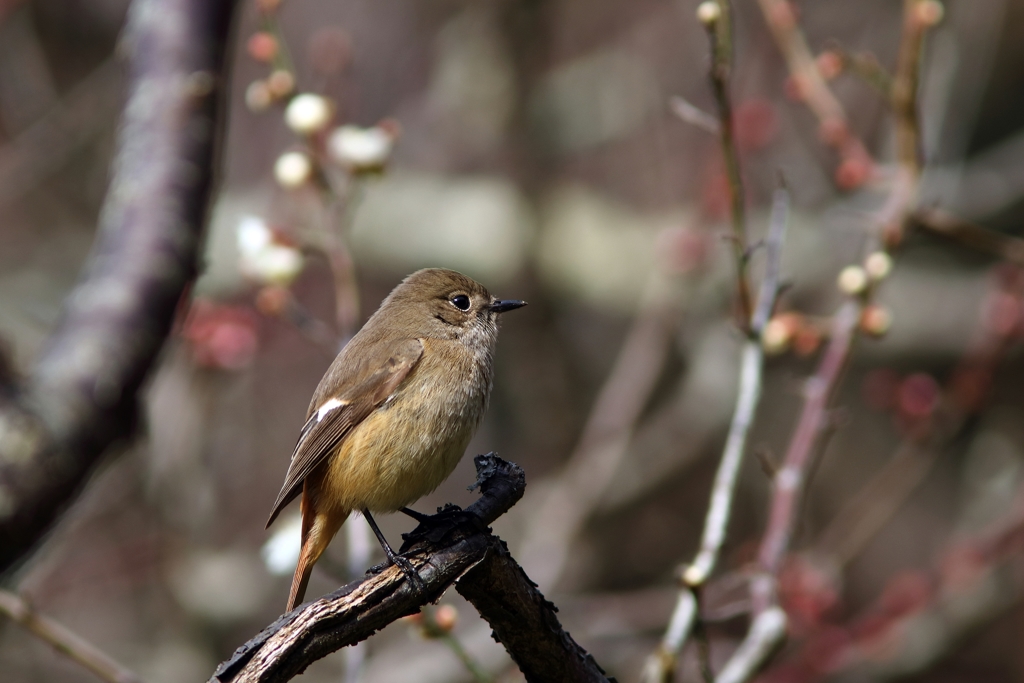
(64, 641)
(720, 34)
(660, 664)
(813, 89)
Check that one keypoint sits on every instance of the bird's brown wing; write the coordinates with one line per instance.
(364, 390)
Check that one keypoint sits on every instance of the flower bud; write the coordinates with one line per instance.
(875, 320)
(445, 617)
(852, 280)
(708, 13)
(929, 12)
(281, 83)
(293, 169)
(878, 265)
(308, 113)
(361, 149)
(776, 336)
(262, 46)
(258, 96)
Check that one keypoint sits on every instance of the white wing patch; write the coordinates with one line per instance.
(327, 407)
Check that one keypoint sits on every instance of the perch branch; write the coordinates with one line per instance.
(454, 547)
(83, 395)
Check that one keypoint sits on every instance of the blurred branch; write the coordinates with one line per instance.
(918, 619)
(660, 664)
(768, 623)
(719, 27)
(453, 547)
(905, 85)
(833, 124)
(592, 466)
(63, 640)
(82, 397)
(970, 234)
(963, 397)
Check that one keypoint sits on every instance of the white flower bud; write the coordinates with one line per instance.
(308, 113)
(293, 169)
(360, 149)
(852, 280)
(878, 265)
(708, 12)
(258, 96)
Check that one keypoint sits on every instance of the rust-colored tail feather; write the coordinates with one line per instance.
(317, 531)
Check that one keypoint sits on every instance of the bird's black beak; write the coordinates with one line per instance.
(502, 305)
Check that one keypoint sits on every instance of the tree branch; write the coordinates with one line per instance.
(83, 395)
(64, 640)
(453, 547)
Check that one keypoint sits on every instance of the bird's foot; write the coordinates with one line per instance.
(434, 528)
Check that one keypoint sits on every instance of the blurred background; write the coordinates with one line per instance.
(532, 145)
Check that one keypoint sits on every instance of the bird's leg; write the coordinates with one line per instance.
(418, 516)
(394, 557)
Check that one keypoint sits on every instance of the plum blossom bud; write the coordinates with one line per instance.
(446, 616)
(708, 13)
(308, 113)
(262, 258)
(281, 83)
(876, 320)
(878, 265)
(293, 169)
(361, 149)
(258, 96)
(852, 280)
(776, 336)
(262, 46)
(930, 12)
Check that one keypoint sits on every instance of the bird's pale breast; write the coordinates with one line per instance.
(407, 447)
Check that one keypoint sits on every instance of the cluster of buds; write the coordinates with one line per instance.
(357, 151)
(265, 255)
(858, 281)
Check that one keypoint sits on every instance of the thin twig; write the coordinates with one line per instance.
(660, 664)
(695, 116)
(720, 35)
(64, 641)
(970, 234)
(905, 85)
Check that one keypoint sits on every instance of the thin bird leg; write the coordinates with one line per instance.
(418, 516)
(394, 557)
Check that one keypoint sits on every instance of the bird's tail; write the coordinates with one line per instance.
(318, 528)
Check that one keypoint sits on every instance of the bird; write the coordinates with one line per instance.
(394, 412)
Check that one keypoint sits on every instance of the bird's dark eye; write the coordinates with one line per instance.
(461, 302)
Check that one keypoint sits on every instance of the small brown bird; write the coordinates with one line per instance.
(395, 411)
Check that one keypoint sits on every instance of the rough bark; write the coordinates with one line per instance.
(453, 547)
